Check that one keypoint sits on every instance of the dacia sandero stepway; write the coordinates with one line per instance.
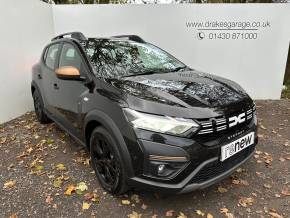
(148, 120)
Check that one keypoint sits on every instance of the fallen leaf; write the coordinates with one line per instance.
(60, 167)
(254, 194)
(96, 198)
(135, 198)
(92, 197)
(10, 166)
(229, 215)
(65, 178)
(81, 187)
(245, 202)
(9, 184)
(181, 215)
(39, 167)
(259, 174)
(275, 215)
(3, 140)
(57, 183)
(14, 215)
(209, 215)
(224, 210)
(199, 212)
(89, 196)
(48, 199)
(70, 189)
(285, 192)
(261, 136)
(49, 141)
(134, 215)
(235, 181)
(281, 159)
(170, 213)
(144, 206)
(240, 182)
(244, 182)
(267, 158)
(126, 202)
(29, 150)
(267, 186)
(86, 205)
(222, 190)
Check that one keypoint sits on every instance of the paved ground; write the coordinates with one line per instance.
(40, 163)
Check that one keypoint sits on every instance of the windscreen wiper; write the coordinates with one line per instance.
(179, 68)
(143, 73)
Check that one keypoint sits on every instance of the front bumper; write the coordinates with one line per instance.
(203, 169)
(187, 185)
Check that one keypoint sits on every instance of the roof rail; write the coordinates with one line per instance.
(75, 35)
(131, 37)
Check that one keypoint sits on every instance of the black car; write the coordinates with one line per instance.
(148, 120)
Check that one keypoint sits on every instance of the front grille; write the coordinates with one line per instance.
(216, 168)
(219, 124)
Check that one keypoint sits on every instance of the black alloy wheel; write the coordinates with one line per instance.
(106, 162)
(39, 109)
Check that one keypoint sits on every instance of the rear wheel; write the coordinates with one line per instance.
(39, 108)
(106, 162)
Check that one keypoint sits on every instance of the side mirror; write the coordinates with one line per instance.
(68, 72)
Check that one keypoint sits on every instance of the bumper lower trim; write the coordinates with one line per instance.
(195, 186)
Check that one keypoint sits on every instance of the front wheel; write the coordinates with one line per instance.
(106, 162)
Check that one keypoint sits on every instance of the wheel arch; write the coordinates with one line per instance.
(97, 118)
(34, 87)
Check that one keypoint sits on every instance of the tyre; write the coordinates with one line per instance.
(106, 161)
(39, 108)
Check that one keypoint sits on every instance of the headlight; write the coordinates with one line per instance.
(162, 124)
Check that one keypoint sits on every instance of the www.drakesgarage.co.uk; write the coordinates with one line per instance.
(221, 30)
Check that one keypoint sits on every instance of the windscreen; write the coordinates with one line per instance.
(120, 58)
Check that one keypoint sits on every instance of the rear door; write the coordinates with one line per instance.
(48, 76)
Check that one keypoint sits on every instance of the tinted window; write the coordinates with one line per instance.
(113, 58)
(70, 57)
(51, 56)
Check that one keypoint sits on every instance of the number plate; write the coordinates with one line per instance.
(237, 146)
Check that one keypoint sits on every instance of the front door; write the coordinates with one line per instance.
(68, 93)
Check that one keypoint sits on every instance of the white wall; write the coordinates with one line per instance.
(26, 26)
(258, 65)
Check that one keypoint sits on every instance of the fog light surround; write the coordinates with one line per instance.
(164, 170)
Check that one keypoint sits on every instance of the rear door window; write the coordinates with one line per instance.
(51, 56)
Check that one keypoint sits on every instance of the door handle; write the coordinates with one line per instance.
(55, 86)
(39, 76)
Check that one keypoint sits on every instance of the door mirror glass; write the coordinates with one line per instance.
(68, 72)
